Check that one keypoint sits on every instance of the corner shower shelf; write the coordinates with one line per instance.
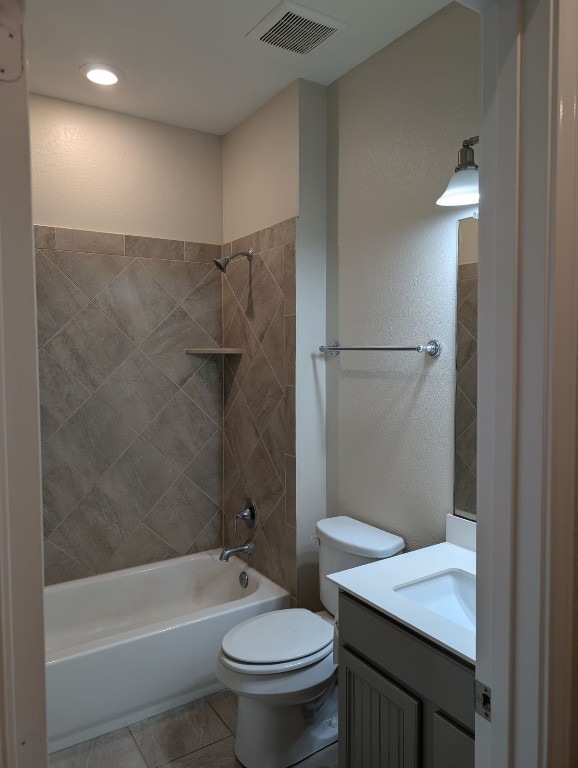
(214, 351)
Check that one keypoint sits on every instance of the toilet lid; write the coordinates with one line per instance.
(277, 636)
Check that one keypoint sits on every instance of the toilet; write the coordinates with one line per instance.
(280, 664)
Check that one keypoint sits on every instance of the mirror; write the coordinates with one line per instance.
(466, 370)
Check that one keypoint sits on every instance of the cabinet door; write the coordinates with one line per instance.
(378, 721)
(453, 747)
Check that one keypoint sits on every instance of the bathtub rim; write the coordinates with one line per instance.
(156, 566)
(265, 587)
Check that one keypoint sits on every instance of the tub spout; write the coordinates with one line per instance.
(247, 548)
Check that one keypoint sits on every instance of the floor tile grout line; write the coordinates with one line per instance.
(176, 761)
(222, 720)
(136, 744)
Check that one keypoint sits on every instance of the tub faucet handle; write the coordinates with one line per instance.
(248, 514)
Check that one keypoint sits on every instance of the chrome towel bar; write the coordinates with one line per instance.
(433, 348)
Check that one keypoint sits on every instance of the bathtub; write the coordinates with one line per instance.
(130, 644)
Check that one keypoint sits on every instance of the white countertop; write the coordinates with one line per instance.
(374, 584)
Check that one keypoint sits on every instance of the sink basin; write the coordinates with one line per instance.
(451, 594)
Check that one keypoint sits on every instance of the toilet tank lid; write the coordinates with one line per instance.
(358, 538)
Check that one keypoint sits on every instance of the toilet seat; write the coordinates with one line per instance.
(276, 642)
(275, 668)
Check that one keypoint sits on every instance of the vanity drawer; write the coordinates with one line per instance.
(403, 655)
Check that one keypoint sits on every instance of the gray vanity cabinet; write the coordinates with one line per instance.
(403, 701)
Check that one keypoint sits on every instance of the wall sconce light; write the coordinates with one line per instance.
(464, 185)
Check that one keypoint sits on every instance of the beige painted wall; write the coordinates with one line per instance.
(396, 124)
(310, 265)
(261, 167)
(99, 170)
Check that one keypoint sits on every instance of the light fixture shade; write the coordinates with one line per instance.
(463, 189)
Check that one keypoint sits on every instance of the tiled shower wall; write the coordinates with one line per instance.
(131, 426)
(466, 413)
(259, 450)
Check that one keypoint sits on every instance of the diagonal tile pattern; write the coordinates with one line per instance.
(113, 328)
(206, 388)
(261, 298)
(177, 278)
(57, 298)
(113, 750)
(144, 446)
(139, 478)
(61, 394)
(259, 402)
(172, 515)
(137, 391)
(63, 487)
(196, 735)
(59, 567)
(90, 347)
(262, 390)
(206, 469)
(204, 306)
(94, 530)
(180, 430)
(466, 394)
(141, 546)
(92, 439)
(135, 302)
(166, 344)
(91, 272)
(176, 733)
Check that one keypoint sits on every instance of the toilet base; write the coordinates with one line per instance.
(279, 736)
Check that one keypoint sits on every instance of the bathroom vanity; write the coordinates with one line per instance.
(403, 701)
(407, 661)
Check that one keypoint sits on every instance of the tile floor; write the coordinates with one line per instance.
(196, 735)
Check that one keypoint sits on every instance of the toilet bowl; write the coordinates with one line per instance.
(280, 664)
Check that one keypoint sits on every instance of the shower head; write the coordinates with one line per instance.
(223, 262)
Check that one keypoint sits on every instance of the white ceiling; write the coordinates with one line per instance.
(188, 62)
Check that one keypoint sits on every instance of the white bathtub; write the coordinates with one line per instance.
(130, 644)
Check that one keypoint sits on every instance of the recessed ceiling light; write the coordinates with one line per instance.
(101, 74)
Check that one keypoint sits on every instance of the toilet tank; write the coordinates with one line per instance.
(346, 543)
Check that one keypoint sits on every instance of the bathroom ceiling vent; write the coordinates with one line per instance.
(295, 28)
